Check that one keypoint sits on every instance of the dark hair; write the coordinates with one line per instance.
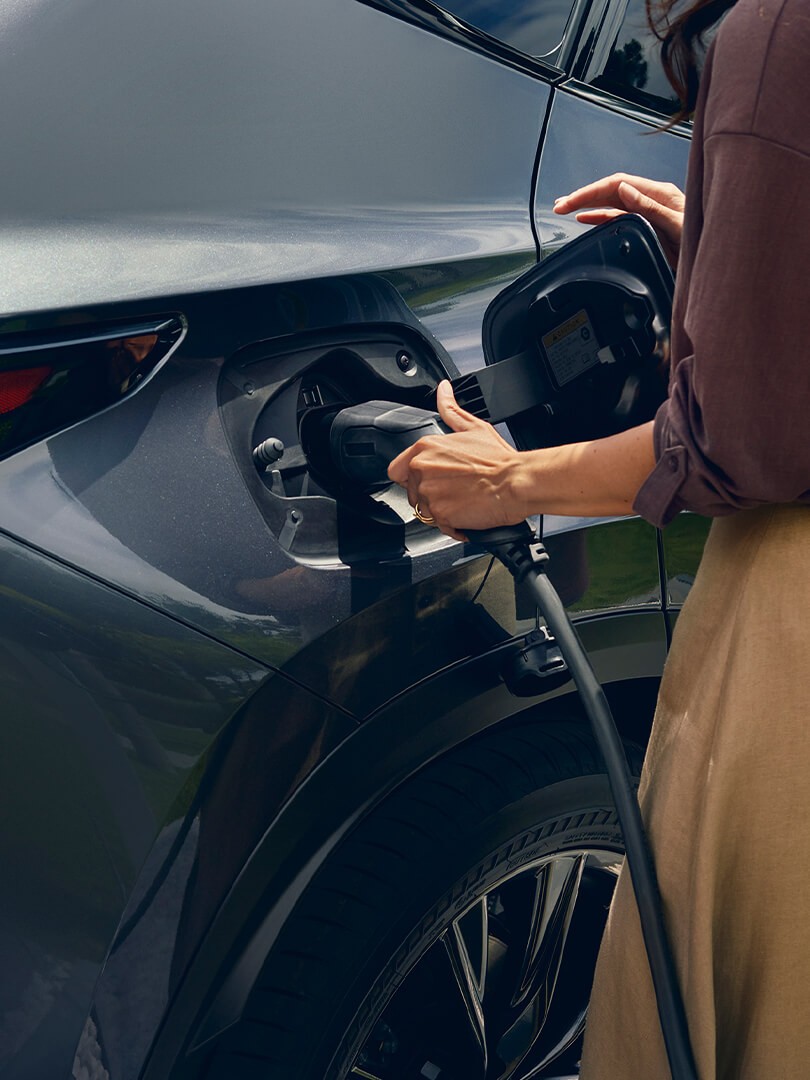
(682, 40)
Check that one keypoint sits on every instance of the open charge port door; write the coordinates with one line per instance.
(577, 347)
(574, 349)
(278, 400)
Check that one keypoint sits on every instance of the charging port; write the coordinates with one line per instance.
(280, 432)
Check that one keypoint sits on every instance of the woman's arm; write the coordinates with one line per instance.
(475, 480)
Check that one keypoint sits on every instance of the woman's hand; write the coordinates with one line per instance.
(463, 480)
(473, 479)
(660, 203)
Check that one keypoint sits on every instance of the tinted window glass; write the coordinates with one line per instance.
(633, 68)
(534, 26)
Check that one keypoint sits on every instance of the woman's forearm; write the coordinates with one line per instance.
(591, 479)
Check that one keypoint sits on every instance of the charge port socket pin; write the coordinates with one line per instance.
(267, 453)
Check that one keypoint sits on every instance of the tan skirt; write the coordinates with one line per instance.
(725, 794)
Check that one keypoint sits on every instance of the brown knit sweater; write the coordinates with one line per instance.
(735, 430)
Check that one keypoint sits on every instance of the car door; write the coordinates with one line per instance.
(606, 116)
(607, 113)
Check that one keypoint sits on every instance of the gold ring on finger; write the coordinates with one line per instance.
(426, 519)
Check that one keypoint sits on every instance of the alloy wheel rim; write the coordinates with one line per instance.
(502, 993)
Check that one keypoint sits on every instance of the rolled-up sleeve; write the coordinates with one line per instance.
(735, 430)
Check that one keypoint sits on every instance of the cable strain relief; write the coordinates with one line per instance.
(523, 559)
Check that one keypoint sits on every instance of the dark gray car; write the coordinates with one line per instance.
(274, 805)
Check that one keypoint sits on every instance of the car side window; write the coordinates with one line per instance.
(534, 27)
(631, 67)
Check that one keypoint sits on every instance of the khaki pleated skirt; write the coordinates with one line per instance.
(725, 794)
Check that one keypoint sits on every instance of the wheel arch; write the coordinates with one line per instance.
(387, 749)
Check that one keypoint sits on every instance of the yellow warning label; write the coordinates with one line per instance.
(568, 327)
(571, 348)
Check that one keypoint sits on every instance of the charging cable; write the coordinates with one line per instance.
(525, 557)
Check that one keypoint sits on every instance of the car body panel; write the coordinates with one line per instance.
(188, 171)
(266, 751)
(150, 509)
(586, 140)
(109, 710)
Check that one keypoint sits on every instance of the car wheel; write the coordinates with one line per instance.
(453, 935)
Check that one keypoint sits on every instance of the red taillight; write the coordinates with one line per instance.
(52, 380)
(18, 387)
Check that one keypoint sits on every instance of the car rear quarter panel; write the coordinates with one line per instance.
(232, 164)
(168, 147)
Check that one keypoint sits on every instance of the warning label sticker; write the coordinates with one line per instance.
(571, 348)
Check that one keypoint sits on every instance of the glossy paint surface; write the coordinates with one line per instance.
(160, 509)
(247, 143)
(257, 762)
(108, 712)
(172, 183)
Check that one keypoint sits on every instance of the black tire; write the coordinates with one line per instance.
(377, 971)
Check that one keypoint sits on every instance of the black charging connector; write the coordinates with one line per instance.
(365, 438)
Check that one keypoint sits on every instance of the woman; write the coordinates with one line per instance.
(726, 784)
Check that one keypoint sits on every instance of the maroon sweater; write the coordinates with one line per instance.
(735, 430)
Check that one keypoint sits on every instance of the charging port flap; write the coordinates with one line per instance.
(578, 347)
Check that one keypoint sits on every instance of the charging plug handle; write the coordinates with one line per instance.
(364, 439)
